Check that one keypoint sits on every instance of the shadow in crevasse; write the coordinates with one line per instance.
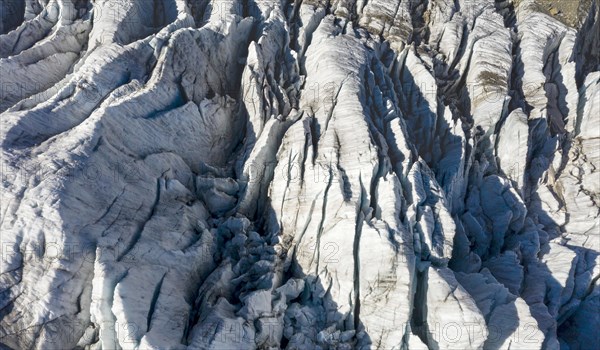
(260, 266)
(574, 321)
(569, 306)
(431, 133)
(110, 192)
(552, 313)
(12, 14)
(315, 305)
(588, 41)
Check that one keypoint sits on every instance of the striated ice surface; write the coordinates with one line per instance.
(308, 174)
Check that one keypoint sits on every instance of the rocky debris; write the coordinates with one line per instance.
(302, 175)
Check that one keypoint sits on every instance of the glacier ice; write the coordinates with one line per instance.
(308, 174)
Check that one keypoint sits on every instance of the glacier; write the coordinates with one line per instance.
(307, 174)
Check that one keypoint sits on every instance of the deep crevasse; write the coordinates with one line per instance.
(310, 174)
